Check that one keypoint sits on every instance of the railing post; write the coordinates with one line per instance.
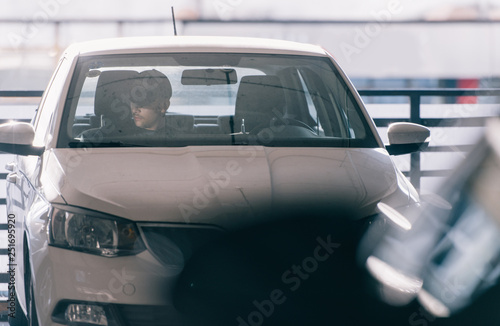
(415, 173)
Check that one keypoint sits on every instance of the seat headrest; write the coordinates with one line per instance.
(113, 92)
(259, 99)
(116, 89)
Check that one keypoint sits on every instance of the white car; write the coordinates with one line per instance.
(108, 208)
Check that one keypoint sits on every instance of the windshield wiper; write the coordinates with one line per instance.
(85, 144)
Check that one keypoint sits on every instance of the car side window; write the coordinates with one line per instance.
(333, 96)
(49, 103)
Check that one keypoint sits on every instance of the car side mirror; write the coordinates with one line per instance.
(406, 137)
(17, 138)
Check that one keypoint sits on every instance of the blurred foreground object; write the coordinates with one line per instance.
(449, 259)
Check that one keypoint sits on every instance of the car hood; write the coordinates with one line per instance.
(209, 183)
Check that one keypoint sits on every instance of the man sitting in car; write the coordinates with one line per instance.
(129, 103)
(150, 99)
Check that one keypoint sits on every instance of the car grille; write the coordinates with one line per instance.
(174, 244)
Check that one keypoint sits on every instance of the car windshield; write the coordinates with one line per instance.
(184, 99)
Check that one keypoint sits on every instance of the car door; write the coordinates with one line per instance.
(23, 180)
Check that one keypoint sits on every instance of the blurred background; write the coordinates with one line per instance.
(381, 44)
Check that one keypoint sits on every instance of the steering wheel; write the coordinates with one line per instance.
(298, 123)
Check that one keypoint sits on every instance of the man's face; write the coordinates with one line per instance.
(150, 118)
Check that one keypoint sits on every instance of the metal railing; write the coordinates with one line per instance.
(415, 100)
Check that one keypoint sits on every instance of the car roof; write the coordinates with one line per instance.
(157, 44)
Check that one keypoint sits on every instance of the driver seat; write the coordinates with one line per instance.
(260, 101)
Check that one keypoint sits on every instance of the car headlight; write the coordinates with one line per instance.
(93, 232)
